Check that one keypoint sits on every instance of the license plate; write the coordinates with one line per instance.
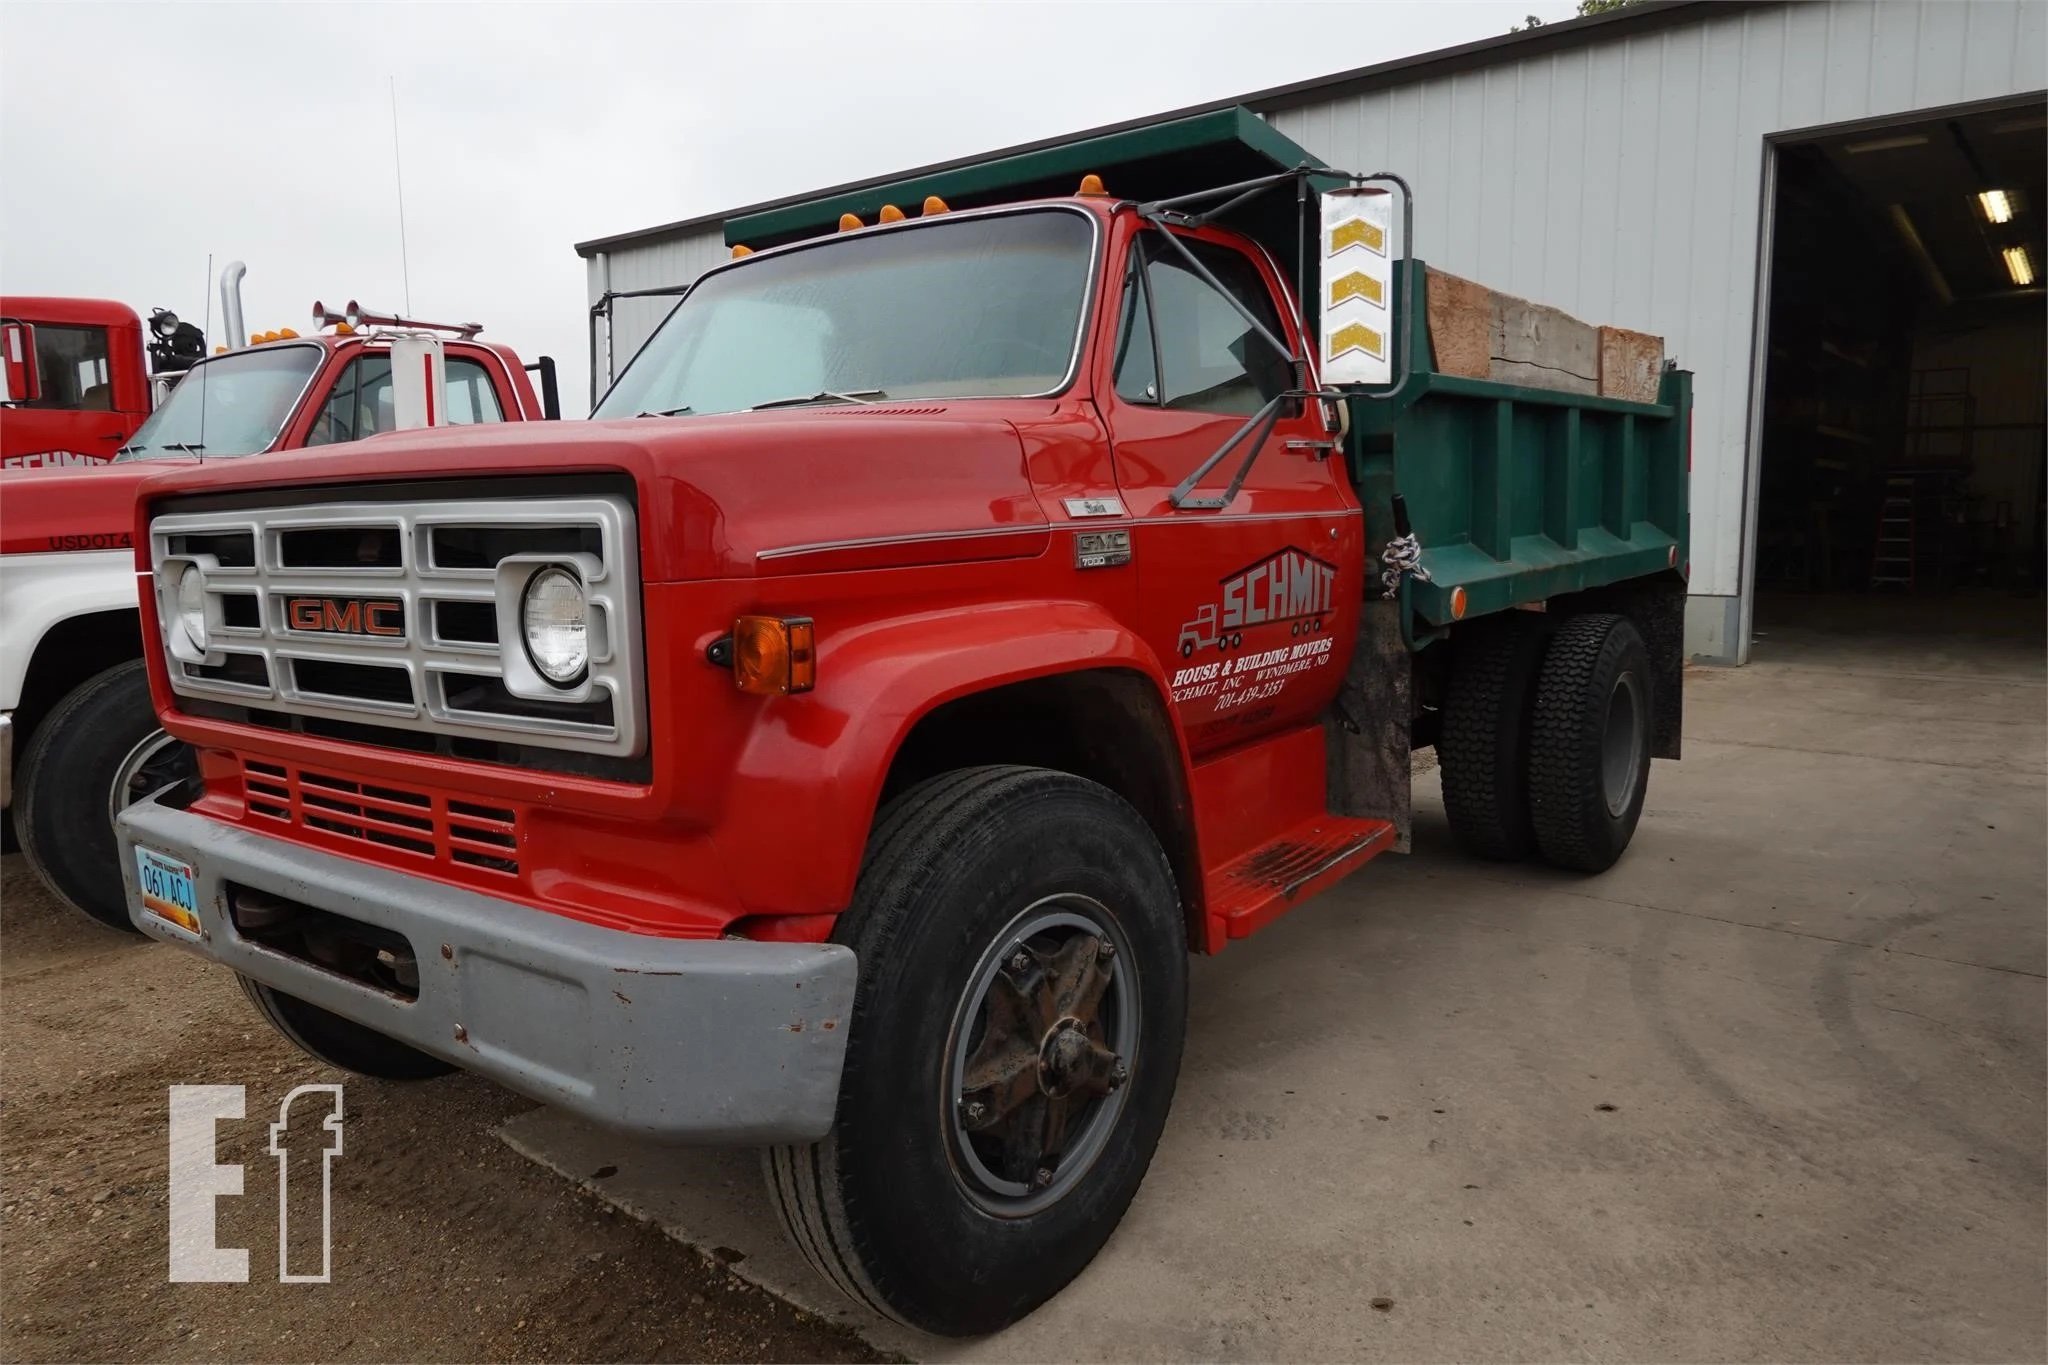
(170, 891)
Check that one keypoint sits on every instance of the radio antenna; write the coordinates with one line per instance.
(398, 174)
(206, 294)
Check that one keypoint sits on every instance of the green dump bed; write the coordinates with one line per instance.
(1517, 493)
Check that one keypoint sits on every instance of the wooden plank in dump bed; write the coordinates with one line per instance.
(1481, 333)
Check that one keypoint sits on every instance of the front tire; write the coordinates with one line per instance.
(339, 1042)
(98, 751)
(984, 1150)
(1589, 747)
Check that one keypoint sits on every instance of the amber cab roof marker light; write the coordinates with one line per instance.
(1091, 187)
(739, 251)
(932, 204)
(850, 222)
(890, 214)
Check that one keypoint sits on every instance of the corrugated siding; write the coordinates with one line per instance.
(1621, 181)
(678, 260)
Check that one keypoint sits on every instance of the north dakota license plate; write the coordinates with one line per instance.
(170, 891)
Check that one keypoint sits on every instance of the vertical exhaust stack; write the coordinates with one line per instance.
(231, 305)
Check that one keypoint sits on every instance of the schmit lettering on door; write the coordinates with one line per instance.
(1287, 584)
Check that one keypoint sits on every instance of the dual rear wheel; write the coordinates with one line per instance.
(1545, 746)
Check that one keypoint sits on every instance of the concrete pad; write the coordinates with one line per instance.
(1771, 1089)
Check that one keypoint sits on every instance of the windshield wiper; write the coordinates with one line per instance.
(186, 447)
(672, 412)
(126, 450)
(861, 396)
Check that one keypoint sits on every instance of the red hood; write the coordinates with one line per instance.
(83, 507)
(714, 492)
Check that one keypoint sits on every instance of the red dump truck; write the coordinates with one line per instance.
(74, 702)
(976, 597)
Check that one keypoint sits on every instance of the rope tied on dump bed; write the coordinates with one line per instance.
(1402, 557)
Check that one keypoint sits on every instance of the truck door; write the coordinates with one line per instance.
(1252, 606)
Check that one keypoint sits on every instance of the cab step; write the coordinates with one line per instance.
(1259, 886)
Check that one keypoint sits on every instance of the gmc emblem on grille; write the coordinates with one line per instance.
(383, 616)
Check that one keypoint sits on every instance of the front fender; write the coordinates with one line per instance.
(39, 590)
(803, 795)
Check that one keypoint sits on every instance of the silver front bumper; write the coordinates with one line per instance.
(689, 1040)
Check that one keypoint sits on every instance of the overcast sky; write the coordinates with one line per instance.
(137, 139)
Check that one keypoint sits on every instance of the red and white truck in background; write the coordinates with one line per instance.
(78, 377)
(78, 738)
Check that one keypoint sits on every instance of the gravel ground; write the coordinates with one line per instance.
(447, 1245)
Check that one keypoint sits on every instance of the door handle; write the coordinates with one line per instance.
(1323, 449)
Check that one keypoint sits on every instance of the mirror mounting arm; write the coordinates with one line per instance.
(1254, 429)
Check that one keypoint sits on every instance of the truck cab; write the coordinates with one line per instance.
(961, 610)
(74, 706)
(78, 381)
(304, 392)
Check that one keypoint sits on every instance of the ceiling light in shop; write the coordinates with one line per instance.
(1997, 206)
(1886, 144)
(2019, 265)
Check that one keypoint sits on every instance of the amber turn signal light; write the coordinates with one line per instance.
(774, 655)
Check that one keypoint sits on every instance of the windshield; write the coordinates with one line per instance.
(234, 404)
(972, 307)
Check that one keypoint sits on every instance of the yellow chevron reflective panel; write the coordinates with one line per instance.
(1357, 285)
(1356, 336)
(1358, 232)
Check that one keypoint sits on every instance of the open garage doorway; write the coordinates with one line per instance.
(1900, 439)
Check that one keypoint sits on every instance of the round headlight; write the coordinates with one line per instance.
(556, 619)
(192, 606)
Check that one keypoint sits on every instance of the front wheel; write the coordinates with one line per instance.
(98, 751)
(1016, 1037)
(339, 1042)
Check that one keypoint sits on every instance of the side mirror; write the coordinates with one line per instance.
(1357, 282)
(419, 383)
(21, 379)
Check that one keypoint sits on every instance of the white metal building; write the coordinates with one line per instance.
(1627, 168)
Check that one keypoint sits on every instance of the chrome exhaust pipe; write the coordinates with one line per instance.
(231, 305)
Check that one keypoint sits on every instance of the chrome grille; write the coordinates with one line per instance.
(421, 624)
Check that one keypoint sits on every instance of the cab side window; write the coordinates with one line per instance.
(1184, 346)
(72, 364)
(360, 404)
(471, 397)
